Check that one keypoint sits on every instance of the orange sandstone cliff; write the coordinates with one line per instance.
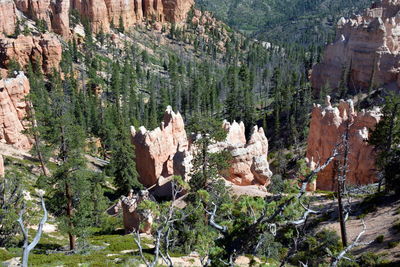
(328, 124)
(366, 50)
(45, 49)
(100, 13)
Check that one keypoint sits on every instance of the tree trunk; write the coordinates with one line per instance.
(72, 238)
(341, 183)
(37, 141)
(68, 194)
(341, 216)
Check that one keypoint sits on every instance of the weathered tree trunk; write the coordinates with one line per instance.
(28, 247)
(341, 183)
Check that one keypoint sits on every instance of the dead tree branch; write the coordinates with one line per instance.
(28, 247)
(356, 243)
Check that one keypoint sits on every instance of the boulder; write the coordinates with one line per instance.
(366, 48)
(24, 49)
(13, 111)
(328, 124)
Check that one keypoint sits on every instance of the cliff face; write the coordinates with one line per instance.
(101, 13)
(328, 124)
(165, 151)
(24, 49)
(8, 16)
(366, 50)
(13, 110)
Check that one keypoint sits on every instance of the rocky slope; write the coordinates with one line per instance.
(101, 13)
(165, 151)
(328, 124)
(13, 111)
(366, 50)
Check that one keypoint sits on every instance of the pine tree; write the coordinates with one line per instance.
(122, 165)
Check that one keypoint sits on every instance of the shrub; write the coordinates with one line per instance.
(379, 239)
(368, 259)
(396, 226)
(393, 244)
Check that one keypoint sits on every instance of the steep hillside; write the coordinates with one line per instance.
(310, 22)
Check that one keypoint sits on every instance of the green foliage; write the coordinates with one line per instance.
(10, 204)
(309, 22)
(392, 244)
(386, 139)
(369, 259)
(13, 67)
(41, 25)
(314, 249)
(122, 165)
(207, 166)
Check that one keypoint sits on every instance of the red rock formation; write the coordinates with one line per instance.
(131, 217)
(155, 149)
(327, 127)
(368, 46)
(13, 111)
(165, 151)
(249, 163)
(8, 16)
(24, 49)
(101, 13)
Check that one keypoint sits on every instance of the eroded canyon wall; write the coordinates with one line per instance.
(45, 50)
(365, 52)
(101, 13)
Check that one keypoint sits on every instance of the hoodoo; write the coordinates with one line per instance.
(13, 111)
(328, 124)
(165, 151)
(102, 14)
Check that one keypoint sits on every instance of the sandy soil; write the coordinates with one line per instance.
(377, 223)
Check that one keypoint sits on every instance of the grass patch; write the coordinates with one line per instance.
(5, 255)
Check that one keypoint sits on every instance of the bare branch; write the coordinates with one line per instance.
(212, 214)
(26, 246)
(356, 243)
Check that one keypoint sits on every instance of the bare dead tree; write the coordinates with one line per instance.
(341, 181)
(28, 247)
(240, 245)
(342, 255)
(163, 239)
